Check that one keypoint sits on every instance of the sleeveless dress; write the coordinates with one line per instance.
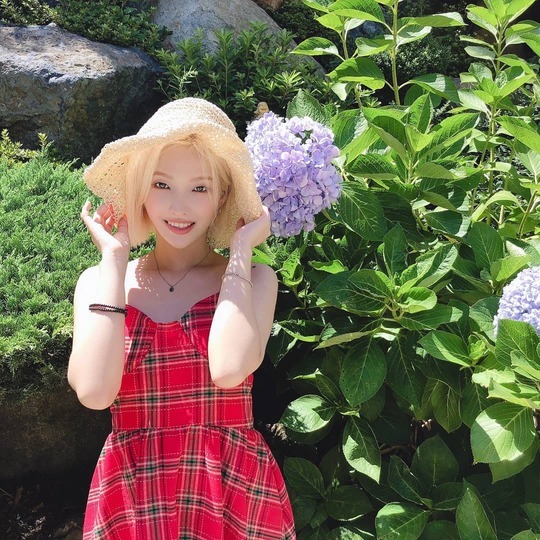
(183, 461)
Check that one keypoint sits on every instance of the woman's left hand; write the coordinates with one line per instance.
(254, 233)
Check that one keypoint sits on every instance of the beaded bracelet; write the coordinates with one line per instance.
(238, 276)
(107, 308)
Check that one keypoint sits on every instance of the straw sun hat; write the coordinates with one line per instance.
(106, 176)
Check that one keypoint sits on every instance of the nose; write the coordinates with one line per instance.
(178, 206)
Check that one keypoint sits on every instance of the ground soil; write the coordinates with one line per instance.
(44, 508)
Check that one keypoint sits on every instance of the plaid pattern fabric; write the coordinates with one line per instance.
(183, 461)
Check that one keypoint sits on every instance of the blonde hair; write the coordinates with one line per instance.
(140, 169)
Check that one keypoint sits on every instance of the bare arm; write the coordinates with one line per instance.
(244, 315)
(97, 357)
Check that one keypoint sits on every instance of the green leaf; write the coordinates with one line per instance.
(316, 46)
(303, 508)
(502, 432)
(471, 518)
(448, 222)
(525, 535)
(417, 299)
(483, 18)
(369, 47)
(450, 130)
(292, 271)
(304, 477)
(440, 530)
(361, 71)
(431, 267)
(508, 267)
(392, 132)
(373, 166)
(362, 8)
(508, 468)
(516, 336)
(486, 244)
(473, 401)
(347, 127)
(397, 521)
(439, 20)
(440, 85)
(446, 346)
(363, 372)
(431, 319)
(395, 250)
(434, 464)
(360, 448)
(516, 7)
(446, 496)
(346, 503)
(308, 414)
(360, 211)
(375, 286)
(421, 113)
(402, 376)
(480, 52)
(433, 170)
(483, 312)
(522, 131)
(533, 513)
(446, 406)
(403, 482)
(305, 105)
(331, 267)
(328, 388)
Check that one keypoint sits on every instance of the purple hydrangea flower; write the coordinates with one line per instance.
(295, 177)
(521, 299)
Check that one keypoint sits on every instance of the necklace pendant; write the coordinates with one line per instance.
(171, 289)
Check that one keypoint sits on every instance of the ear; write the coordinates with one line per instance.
(223, 198)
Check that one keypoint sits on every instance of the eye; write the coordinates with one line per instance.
(200, 189)
(161, 185)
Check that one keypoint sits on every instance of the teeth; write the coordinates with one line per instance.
(179, 225)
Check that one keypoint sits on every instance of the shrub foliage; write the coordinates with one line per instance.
(412, 420)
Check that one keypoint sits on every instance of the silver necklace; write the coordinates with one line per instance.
(171, 285)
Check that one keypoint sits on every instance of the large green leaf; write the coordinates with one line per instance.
(446, 346)
(316, 46)
(446, 496)
(303, 104)
(359, 210)
(362, 71)
(373, 166)
(439, 20)
(346, 503)
(473, 401)
(482, 313)
(448, 222)
(403, 482)
(503, 431)
(433, 463)
(533, 513)
(516, 336)
(486, 244)
(450, 130)
(374, 287)
(397, 521)
(303, 508)
(430, 319)
(471, 518)
(403, 377)
(395, 250)
(338, 291)
(440, 530)
(421, 113)
(416, 299)
(307, 414)
(363, 372)
(304, 477)
(523, 132)
(368, 10)
(441, 85)
(445, 401)
(360, 448)
(508, 468)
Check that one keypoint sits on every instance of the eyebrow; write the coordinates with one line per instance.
(195, 179)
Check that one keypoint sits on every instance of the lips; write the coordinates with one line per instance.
(180, 227)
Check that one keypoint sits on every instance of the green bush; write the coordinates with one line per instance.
(43, 249)
(245, 69)
(411, 418)
(108, 21)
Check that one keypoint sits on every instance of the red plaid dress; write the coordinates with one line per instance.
(183, 461)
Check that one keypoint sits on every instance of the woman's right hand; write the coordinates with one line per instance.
(100, 226)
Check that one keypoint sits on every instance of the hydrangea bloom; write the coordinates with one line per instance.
(294, 173)
(521, 299)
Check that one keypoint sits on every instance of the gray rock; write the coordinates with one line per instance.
(81, 94)
(183, 17)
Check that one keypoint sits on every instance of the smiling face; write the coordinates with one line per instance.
(183, 199)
